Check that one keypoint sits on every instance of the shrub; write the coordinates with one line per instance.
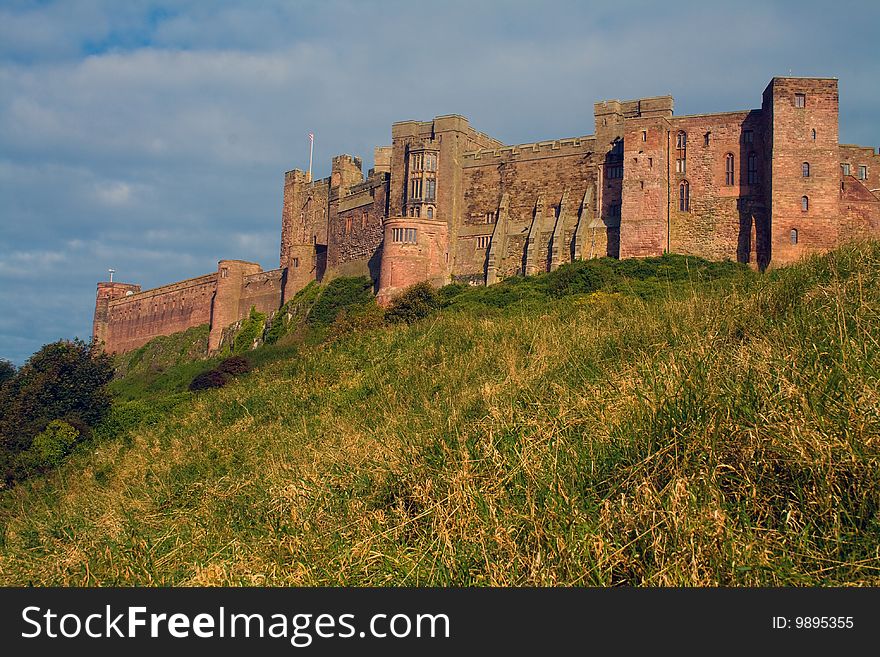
(7, 371)
(448, 292)
(345, 293)
(209, 379)
(579, 277)
(414, 303)
(51, 445)
(250, 332)
(234, 366)
(63, 380)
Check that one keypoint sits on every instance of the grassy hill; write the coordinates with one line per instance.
(665, 430)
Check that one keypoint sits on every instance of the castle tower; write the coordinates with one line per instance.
(804, 166)
(225, 308)
(108, 291)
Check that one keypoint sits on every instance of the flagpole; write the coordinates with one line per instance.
(311, 150)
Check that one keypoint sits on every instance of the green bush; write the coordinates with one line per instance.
(7, 371)
(51, 445)
(414, 303)
(344, 293)
(63, 380)
(250, 332)
(579, 277)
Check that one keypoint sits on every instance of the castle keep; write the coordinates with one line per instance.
(445, 202)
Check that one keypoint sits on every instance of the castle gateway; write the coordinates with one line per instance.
(447, 203)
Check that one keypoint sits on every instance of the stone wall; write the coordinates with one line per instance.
(796, 231)
(523, 203)
(135, 319)
(261, 290)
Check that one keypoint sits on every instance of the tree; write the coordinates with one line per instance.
(7, 371)
(65, 380)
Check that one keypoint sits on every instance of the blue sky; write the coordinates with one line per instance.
(152, 137)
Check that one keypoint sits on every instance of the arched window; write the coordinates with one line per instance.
(753, 169)
(681, 152)
(430, 212)
(805, 169)
(794, 235)
(684, 197)
(728, 169)
(805, 203)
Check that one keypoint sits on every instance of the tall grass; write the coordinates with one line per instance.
(722, 434)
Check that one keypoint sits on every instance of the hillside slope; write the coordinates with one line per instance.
(718, 435)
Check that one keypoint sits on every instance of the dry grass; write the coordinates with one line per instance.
(723, 435)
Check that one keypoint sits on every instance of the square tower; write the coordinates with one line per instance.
(804, 166)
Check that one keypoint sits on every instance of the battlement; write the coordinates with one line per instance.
(531, 150)
(179, 286)
(640, 107)
(445, 202)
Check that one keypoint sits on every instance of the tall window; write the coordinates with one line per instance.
(403, 235)
(805, 169)
(863, 172)
(748, 136)
(416, 188)
(753, 169)
(794, 236)
(430, 189)
(706, 138)
(681, 152)
(728, 169)
(615, 171)
(430, 212)
(813, 134)
(845, 168)
(483, 241)
(805, 203)
(684, 197)
(800, 100)
(430, 161)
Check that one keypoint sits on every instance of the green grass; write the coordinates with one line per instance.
(711, 428)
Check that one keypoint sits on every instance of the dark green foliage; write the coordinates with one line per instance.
(208, 380)
(65, 380)
(7, 371)
(448, 292)
(638, 277)
(250, 332)
(580, 277)
(345, 293)
(415, 303)
(234, 366)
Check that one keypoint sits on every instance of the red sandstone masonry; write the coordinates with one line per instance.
(505, 210)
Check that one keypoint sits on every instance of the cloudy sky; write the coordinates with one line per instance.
(152, 137)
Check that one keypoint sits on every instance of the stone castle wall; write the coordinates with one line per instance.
(445, 202)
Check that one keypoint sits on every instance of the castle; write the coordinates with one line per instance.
(447, 203)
